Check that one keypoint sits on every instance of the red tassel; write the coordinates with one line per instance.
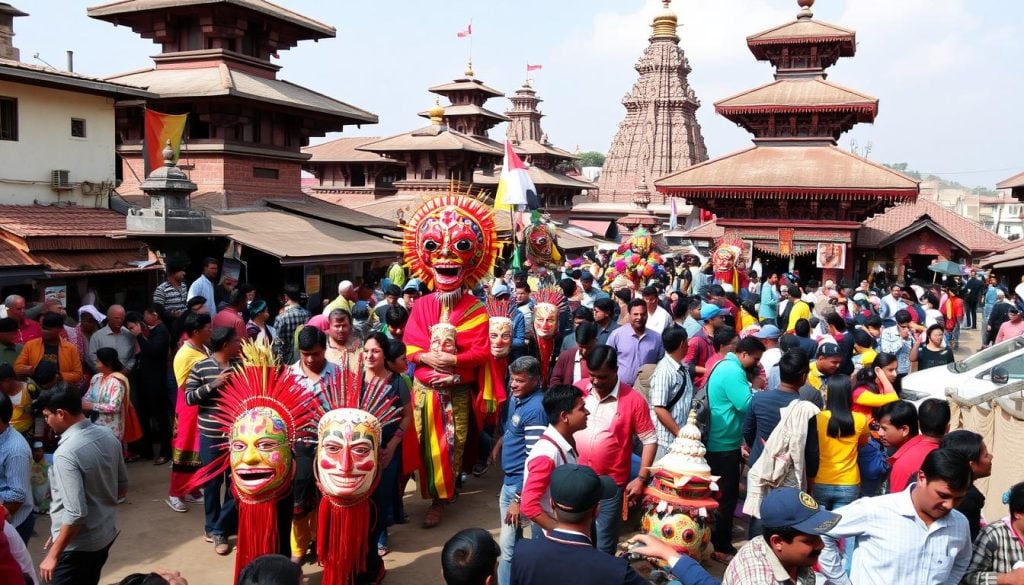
(341, 536)
(257, 532)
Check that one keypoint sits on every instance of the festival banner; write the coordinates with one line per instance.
(515, 187)
(159, 129)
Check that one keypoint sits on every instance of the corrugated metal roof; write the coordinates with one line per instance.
(221, 80)
(13, 257)
(48, 76)
(97, 262)
(318, 209)
(297, 240)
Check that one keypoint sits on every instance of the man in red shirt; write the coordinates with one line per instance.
(617, 414)
(231, 316)
(28, 329)
(933, 418)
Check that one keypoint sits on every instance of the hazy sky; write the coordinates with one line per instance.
(947, 72)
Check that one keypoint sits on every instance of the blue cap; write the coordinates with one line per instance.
(789, 507)
(500, 289)
(413, 284)
(768, 332)
(586, 275)
(709, 311)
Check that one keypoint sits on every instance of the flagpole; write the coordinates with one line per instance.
(470, 40)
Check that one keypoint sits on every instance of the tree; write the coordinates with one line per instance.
(591, 158)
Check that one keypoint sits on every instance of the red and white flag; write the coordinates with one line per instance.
(533, 67)
(465, 33)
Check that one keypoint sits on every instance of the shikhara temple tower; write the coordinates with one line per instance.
(660, 133)
(794, 189)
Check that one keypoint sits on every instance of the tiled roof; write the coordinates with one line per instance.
(805, 30)
(319, 209)
(221, 80)
(467, 110)
(799, 95)
(464, 84)
(433, 138)
(812, 169)
(27, 221)
(709, 230)
(1014, 181)
(967, 234)
(108, 11)
(346, 150)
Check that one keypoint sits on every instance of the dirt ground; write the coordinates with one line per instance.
(153, 536)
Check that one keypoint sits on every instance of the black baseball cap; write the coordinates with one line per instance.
(789, 507)
(577, 488)
(828, 350)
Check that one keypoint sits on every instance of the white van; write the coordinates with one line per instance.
(969, 380)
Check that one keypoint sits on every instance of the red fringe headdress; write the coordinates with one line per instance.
(342, 527)
(258, 383)
(546, 347)
(499, 308)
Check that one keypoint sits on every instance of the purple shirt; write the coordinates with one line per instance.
(634, 351)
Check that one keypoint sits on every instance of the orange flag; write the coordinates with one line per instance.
(159, 129)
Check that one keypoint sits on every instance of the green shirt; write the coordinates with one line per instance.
(9, 353)
(729, 395)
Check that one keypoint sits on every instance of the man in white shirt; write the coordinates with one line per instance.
(890, 305)
(769, 336)
(912, 536)
(657, 317)
(203, 286)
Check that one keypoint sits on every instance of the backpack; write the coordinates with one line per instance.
(701, 404)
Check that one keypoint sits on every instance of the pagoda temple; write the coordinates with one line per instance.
(546, 162)
(659, 134)
(465, 111)
(245, 126)
(794, 190)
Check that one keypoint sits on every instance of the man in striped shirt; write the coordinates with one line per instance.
(15, 463)
(526, 422)
(172, 293)
(671, 389)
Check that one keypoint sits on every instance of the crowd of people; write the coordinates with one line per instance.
(874, 488)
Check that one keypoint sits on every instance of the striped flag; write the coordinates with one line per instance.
(515, 187)
(465, 33)
(159, 129)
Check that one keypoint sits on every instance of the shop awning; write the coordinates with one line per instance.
(597, 227)
(296, 240)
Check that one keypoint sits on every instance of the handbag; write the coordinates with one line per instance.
(132, 426)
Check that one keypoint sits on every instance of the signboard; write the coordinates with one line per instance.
(831, 255)
(786, 241)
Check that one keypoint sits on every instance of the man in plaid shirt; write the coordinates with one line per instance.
(287, 323)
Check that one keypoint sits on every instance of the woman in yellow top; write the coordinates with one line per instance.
(21, 395)
(841, 431)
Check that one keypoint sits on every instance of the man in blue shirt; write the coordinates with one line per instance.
(567, 554)
(769, 309)
(526, 423)
(635, 345)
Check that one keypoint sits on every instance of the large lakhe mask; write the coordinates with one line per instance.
(261, 456)
(442, 338)
(450, 242)
(346, 458)
(500, 331)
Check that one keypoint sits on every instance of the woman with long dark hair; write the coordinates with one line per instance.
(934, 352)
(873, 386)
(108, 391)
(841, 431)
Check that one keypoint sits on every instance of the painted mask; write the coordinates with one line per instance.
(500, 336)
(540, 245)
(442, 338)
(687, 535)
(261, 459)
(347, 452)
(724, 258)
(545, 320)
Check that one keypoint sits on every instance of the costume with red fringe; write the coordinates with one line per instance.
(450, 243)
(343, 523)
(547, 353)
(259, 383)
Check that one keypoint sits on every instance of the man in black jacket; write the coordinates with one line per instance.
(152, 398)
(972, 292)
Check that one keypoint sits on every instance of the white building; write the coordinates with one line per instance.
(56, 130)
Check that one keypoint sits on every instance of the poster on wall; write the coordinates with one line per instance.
(831, 255)
(58, 293)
